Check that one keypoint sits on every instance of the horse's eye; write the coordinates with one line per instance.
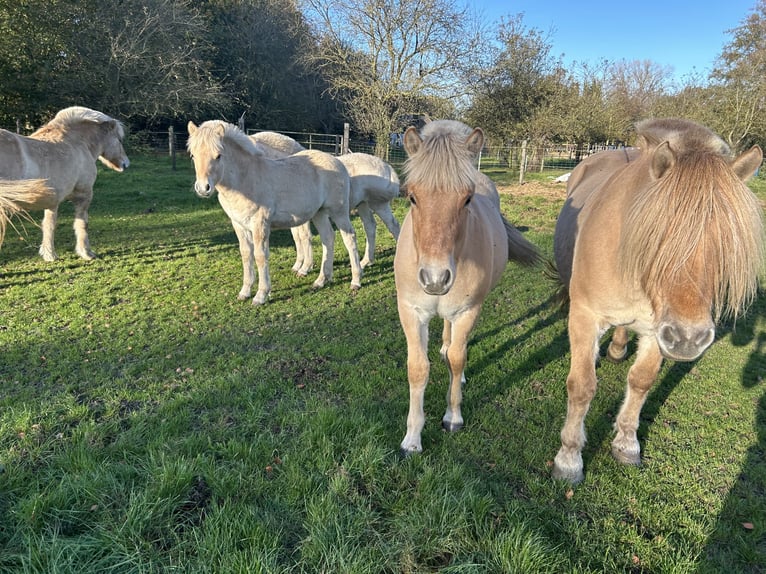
(468, 200)
(218, 157)
(412, 199)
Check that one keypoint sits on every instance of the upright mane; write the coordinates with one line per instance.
(699, 210)
(212, 133)
(443, 162)
(74, 115)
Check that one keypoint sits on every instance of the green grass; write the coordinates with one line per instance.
(150, 422)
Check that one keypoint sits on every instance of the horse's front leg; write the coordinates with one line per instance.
(641, 377)
(416, 332)
(82, 245)
(261, 230)
(246, 253)
(454, 352)
(581, 386)
(304, 254)
(47, 247)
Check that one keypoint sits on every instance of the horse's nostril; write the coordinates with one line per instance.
(670, 335)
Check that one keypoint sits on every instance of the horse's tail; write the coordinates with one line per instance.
(561, 297)
(17, 196)
(519, 249)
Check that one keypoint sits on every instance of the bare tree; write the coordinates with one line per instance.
(390, 59)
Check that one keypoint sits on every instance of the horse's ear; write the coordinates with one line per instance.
(663, 159)
(191, 127)
(475, 141)
(412, 140)
(745, 165)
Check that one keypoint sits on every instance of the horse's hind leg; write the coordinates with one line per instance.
(47, 247)
(304, 255)
(454, 351)
(618, 347)
(327, 236)
(641, 376)
(581, 386)
(343, 222)
(368, 221)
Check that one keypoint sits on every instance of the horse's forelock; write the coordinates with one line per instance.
(700, 206)
(212, 133)
(443, 161)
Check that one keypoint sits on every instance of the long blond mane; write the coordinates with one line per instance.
(68, 117)
(211, 134)
(698, 211)
(443, 161)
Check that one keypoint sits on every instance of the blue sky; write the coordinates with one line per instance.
(685, 35)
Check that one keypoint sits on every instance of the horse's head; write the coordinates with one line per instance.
(112, 153)
(701, 244)
(440, 186)
(206, 148)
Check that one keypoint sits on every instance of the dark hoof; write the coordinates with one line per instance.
(451, 427)
(404, 453)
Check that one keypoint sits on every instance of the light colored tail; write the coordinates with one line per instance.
(519, 249)
(17, 196)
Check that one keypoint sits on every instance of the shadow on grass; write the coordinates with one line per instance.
(738, 542)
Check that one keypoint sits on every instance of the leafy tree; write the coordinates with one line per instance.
(258, 60)
(517, 79)
(145, 60)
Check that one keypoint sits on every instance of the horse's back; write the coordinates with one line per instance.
(589, 179)
(372, 179)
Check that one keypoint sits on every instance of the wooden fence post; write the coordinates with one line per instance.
(523, 162)
(172, 146)
(346, 135)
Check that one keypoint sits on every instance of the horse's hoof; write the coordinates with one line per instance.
(452, 426)
(406, 453)
(616, 357)
(626, 457)
(260, 300)
(572, 476)
(242, 297)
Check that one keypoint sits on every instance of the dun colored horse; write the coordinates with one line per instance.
(660, 240)
(453, 248)
(259, 193)
(64, 152)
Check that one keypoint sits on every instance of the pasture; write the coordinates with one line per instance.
(151, 422)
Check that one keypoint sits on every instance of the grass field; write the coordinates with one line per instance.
(150, 422)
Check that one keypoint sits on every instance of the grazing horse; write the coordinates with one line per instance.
(660, 240)
(374, 183)
(64, 152)
(453, 248)
(259, 193)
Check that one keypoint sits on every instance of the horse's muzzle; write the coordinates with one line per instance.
(203, 190)
(684, 342)
(436, 281)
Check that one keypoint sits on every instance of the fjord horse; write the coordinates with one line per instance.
(64, 152)
(453, 247)
(661, 240)
(259, 193)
